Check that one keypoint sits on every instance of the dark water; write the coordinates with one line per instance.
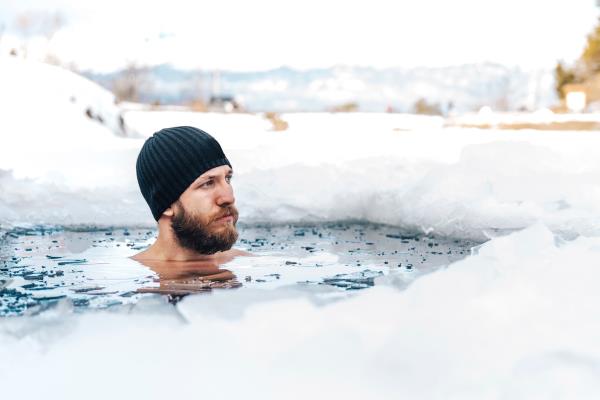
(90, 269)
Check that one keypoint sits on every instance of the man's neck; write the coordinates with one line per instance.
(167, 248)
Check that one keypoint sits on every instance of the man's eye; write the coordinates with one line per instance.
(228, 178)
(207, 184)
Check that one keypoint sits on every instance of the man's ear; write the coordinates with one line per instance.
(168, 212)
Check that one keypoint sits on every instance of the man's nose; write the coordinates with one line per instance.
(225, 195)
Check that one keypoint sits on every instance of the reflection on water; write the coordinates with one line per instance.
(178, 278)
(91, 268)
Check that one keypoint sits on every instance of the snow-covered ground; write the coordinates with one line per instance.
(517, 319)
(486, 117)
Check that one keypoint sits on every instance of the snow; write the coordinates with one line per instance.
(516, 319)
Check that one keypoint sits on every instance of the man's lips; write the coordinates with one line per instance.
(228, 217)
(225, 218)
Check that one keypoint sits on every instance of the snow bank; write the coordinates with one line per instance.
(517, 320)
(58, 131)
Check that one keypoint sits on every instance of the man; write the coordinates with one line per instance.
(186, 180)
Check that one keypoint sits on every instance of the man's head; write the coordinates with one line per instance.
(186, 180)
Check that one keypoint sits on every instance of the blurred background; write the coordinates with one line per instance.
(426, 57)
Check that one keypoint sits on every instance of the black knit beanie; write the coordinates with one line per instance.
(171, 160)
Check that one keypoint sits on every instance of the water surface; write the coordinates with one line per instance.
(90, 268)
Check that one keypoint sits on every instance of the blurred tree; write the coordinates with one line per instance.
(585, 67)
(564, 76)
(129, 84)
(36, 23)
(591, 53)
(421, 106)
(32, 23)
(50, 26)
(24, 25)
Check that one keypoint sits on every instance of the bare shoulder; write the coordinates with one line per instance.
(140, 256)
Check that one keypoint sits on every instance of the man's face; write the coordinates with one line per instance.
(204, 217)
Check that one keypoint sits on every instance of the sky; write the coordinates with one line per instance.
(262, 34)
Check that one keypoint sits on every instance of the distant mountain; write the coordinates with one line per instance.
(459, 88)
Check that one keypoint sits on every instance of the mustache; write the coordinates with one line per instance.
(225, 212)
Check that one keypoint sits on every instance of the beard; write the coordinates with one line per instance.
(198, 234)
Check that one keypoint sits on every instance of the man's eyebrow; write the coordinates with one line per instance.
(203, 177)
